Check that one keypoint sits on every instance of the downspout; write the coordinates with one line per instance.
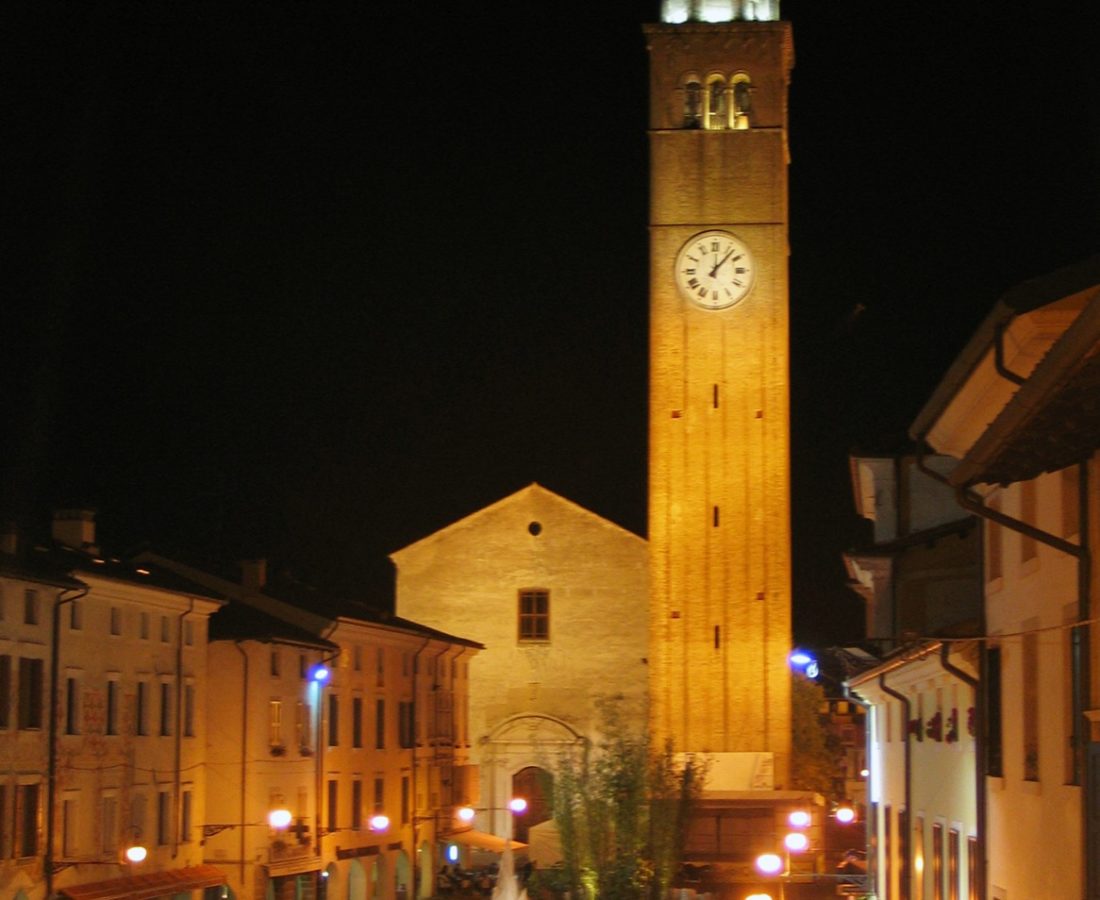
(179, 727)
(979, 751)
(910, 869)
(51, 749)
(999, 353)
(415, 673)
(244, 753)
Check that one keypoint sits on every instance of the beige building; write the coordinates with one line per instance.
(559, 598)
(351, 725)
(113, 656)
(1018, 410)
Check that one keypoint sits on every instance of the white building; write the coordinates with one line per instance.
(1017, 415)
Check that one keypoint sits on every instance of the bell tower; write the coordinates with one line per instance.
(719, 474)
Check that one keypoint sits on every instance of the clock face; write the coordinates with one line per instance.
(714, 270)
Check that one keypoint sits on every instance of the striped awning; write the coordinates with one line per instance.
(148, 885)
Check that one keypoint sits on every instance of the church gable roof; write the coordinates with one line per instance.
(534, 500)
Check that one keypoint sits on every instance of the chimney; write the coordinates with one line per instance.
(253, 574)
(75, 528)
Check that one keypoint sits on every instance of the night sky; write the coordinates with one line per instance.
(310, 282)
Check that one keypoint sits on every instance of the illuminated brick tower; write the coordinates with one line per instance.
(719, 483)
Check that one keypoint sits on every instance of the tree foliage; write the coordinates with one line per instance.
(814, 750)
(622, 812)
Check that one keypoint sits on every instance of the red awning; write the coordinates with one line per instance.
(147, 886)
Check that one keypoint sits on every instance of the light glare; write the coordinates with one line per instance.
(769, 863)
(796, 842)
(136, 853)
(799, 819)
(279, 818)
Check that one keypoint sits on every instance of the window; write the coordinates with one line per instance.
(5, 692)
(1071, 501)
(405, 798)
(164, 818)
(693, 103)
(31, 611)
(993, 539)
(903, 852)
(27, 820)
(301, 726)
(406, 724)
(1070, 716)
(357, 722)
(716, 113)
(954, 850)
(380, 724)
(76, 615)
(357, 658)
(357, 804)
(379, 795)
(380, 667)
(189, 633)
(994, 749)
(333, 720)
(1028, 545)
(742, 100)
(1030, 697)
(72, 706)
(275, 664)
(141, 708)
(330, 822)
(165, 709)
(887, 844)
(70, 826)
(5, 822)
(108, 824)
(918, 856)
(1, 620)
(534, 615)
(188, 710)
(937, 861)
(275, 723)
(164, 629)
(185, 817)
(111, 719)
(143, 627)
(30, 693)
(116, 621)
(972, 868)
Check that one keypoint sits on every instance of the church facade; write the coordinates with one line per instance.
(558, 596)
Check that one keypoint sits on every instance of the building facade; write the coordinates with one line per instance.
(559, 597)
(106, 746)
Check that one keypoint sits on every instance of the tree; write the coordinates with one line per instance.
(622, 812)
(814, 751)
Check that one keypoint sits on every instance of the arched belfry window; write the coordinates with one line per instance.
(717, 114)
(741, 87)
(693, 103)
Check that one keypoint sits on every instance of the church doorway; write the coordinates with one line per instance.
(536, 786)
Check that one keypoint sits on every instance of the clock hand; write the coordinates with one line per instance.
(720, 263)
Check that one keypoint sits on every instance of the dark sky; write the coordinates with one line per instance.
(312, 282)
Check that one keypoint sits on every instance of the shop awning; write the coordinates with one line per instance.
(483, 841)
(148, 885)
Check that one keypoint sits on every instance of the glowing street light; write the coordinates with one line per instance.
(279, 818)
(379, 822)
(796, 842)
(845, 815)
(769, 863)
(136, 853)
(799, 819)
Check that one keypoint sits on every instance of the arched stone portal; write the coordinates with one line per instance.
(522, 744)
